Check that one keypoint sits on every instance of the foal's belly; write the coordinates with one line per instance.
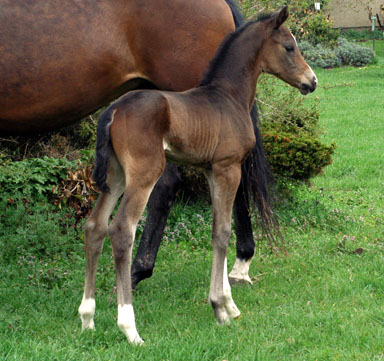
(186, 157)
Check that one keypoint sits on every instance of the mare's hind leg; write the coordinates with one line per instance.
(159, 206)
(245, 244)
(223, 184)
(95, 231)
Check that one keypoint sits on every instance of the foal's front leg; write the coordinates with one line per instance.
(223, 184)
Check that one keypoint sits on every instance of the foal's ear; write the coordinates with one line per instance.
(280, 16)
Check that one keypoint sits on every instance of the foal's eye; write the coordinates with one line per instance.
(290, 48)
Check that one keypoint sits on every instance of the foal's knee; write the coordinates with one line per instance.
(121, 239)
(94, 235)
(93, 227)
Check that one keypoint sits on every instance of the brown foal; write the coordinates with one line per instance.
(209, 127)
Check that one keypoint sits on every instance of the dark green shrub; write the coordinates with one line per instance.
(318, 30)
(304, 22)
(32, 178)
(291, 133)
(293, 156)
(361, 35)
(354, 54)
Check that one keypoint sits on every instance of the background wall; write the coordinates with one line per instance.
(354, 13)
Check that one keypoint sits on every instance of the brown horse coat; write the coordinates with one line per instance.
(62, 60)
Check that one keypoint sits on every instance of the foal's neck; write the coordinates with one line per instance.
(235, 66)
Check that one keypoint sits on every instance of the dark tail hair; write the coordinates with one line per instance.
(103, 149)
(256, 174)
(237, 16)
(257, 179)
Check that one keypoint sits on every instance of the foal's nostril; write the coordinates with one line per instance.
(306, 88)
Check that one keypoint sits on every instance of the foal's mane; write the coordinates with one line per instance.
(218, 59)
(220, 55)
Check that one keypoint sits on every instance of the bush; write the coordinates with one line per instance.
(318, 30)
(361, 35)
(32, 178)
(346, 53)
(283, 106)
(299, 157)
(319, 56)
(304, 22)
(291, 132)
(354, 54)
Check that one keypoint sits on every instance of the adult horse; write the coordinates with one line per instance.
(62, 60)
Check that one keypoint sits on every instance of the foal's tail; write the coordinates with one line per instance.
(103, 149)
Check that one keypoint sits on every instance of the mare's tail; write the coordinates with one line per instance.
(103, 149)
(256, 174)
(257, 177)
(237, 16)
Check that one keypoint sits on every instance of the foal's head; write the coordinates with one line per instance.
(281, 57)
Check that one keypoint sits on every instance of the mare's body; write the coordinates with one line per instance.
(208, 126)
(61, 60)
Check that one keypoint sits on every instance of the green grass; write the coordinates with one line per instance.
(324, 301)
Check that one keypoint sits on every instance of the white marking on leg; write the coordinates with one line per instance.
(230, 306)
(239, 273)
(87, 311)
(126, 323)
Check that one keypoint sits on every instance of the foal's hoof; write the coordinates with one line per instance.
(87, 325)
(136, 340)
(223, 320)
(233, 311)
(86, 312)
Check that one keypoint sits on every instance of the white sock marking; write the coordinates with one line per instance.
(126, 323)
(87, 311)
(230, 305)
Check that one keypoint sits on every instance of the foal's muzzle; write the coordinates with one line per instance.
(306, 88)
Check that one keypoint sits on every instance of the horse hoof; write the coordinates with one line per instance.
(234, 280)
(86, 312)
(136, 340)
(239, 273)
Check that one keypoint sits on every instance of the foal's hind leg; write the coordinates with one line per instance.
(122, 233)
(223, 184)
(95, 231)
(159, 206)
(142, 165)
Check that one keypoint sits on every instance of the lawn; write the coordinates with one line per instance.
(323, 301)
